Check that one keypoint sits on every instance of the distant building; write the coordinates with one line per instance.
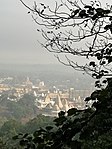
(54, 103)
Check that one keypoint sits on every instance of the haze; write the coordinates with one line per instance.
(18, 36)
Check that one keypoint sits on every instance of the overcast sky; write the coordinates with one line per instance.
(18, 36)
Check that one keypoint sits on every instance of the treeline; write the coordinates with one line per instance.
(19, 117)
(23, 108)
(14, 127)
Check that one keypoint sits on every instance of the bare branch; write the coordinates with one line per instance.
(77, 29)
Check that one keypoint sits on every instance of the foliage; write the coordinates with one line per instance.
(37, 122)
(81, 30)
(7, 131)
(17, 110)
(2, 120)
(79, 129)
(10, 127)
(13, 127)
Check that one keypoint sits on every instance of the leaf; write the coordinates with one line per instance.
(75, 145)
(111, 29)
(99, 10)
(92, 63)
(103, 62)
(94, 75)
(94, 95)
(98, 55)
(42, 4)
(15, 137)
(74, 13)
(49, 128)
(96, 105)
(65, 49)
(110, 60)
(45, 7)
(106, 71)
(38, 140)
(41, 146)
(95, 17)
(39, 132)
(82, 13)
(107, 27)
(23, 142)
(110, 18)
(76, 137)
(87, 99)
(59, 121)
(48, 32)
(97, 82)
(88, 6)
(104, 81)
(72, 111)
(25, 135)
(61, 113)
(97, 5)
(106, 11)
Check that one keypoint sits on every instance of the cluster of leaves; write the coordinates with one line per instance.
(79, 129)
(91, 11)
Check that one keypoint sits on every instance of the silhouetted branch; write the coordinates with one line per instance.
(75, 28)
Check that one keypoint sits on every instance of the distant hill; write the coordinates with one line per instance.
(50, 73)
(34, 67)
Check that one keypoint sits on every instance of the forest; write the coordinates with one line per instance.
(81, 30)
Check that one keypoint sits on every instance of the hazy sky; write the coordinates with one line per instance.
(18, 36)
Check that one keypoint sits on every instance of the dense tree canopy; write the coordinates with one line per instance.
(82, 30)
(13, 127)
(90, 128)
